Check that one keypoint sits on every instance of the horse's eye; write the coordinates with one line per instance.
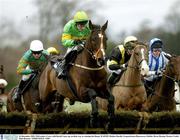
(136, 53)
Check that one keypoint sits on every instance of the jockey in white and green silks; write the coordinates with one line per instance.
(31, 61)
(74, 32)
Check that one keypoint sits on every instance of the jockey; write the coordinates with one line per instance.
(157, 60)
(31, 61)
(74, 33)
(53, 51)
(119, 57)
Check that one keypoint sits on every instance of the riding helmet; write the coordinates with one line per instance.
(36, 45)
(155, 43)
(81, 16)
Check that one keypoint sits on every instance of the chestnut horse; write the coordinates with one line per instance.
(129, 92)
(86, 77)
(163, 98)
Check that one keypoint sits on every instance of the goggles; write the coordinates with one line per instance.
(82, 23)
(157, 50)
(37, 52)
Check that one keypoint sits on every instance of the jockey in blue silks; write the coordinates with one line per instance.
(157, 60)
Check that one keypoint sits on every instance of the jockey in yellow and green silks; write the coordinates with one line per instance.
(31, 61)
(75, 32)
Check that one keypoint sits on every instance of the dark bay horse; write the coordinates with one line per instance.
(29, 100)
(86, 75)
(163, 98)
(129, 92)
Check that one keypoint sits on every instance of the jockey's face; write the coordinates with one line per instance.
(37, 55)
(2, 86)
(156, 52)
(81, 25)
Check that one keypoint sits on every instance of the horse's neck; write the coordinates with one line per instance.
(167, 85)
(132, 74)
(86, 59)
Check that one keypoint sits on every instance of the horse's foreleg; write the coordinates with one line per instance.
(94, 113)
(110, 110)
(59, 103)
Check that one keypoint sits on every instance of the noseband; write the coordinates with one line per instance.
(138, 63)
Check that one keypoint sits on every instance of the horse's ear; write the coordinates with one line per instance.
(105, 26)
(90, 25)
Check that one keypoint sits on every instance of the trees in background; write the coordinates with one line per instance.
(51, 18)
(54, 14)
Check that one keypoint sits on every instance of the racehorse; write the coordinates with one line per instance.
(86, 77)
(163, 97)
(29, 99)
(129, 92)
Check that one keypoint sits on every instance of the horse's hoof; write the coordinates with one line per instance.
(109, 127)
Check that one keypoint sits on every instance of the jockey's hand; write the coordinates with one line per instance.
(35, 71)
(158, 72)
(77, 42)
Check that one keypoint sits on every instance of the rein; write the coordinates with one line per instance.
(90, 52)
(129, 85)
(169, 77)
(87, 68)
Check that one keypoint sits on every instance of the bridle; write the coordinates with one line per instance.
(138, 62)
(171, 78)
(94, 54)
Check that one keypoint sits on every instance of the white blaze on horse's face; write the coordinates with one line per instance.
(100, 53)
(144, 65)
(101, 44)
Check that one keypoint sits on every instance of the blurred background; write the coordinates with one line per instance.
(23, 21)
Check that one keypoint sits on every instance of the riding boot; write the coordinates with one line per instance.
(18, 93)
(61, 66)
(113, 78)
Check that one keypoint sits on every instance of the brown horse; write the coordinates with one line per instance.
(129, 92)
(163, 98)
(86, 77)
(29, 101)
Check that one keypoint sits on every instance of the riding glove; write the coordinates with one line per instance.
(158, 72)
(77, 42)
(35, 71)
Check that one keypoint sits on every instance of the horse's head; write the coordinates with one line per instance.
(140, 53)
(174, 67)
(96, 43)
